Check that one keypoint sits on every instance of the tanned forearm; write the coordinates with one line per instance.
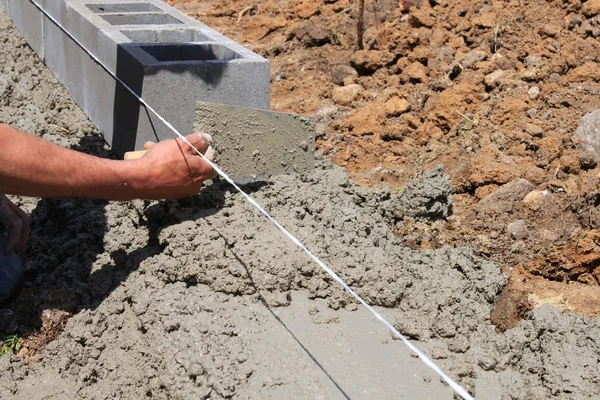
(31, 166)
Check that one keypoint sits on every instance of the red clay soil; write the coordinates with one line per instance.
(494, 91)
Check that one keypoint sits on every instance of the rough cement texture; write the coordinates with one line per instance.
(251, 142)
(426, 198)
(28, 19)
(201, 298)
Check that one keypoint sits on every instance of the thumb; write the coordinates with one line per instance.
(148, 145)
(200, 141)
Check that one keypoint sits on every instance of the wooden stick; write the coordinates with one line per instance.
(136, 155)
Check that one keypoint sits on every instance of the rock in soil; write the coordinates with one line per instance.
(588, 133)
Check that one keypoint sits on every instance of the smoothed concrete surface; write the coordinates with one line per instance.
(257, 143)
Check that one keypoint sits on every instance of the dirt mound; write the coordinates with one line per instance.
(492, 91)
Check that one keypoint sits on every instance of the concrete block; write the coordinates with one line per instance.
(28, 20)
(170, 59)
(4, 6)
(252, 142)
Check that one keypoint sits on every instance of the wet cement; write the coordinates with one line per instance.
(251, 143)
(202, 298)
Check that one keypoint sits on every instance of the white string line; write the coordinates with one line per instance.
(455, 386)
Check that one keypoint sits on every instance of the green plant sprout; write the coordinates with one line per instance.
(10, 345)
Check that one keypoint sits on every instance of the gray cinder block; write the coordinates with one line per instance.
(28, 20)
(4, 6)
(169, 59)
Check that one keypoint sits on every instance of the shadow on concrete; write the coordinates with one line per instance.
(276, 317)
(68, 239)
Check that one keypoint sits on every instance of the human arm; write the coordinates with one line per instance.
(31, 166)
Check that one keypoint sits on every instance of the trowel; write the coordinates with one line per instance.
(252, 144)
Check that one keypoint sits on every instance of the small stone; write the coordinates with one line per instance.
(530, 74)
(532, 60)
(548, 151)
(416, 72)
(472, 57)
(311, 33)
(491, 80)
(419, 17)
(534, 92)
(504, 197)
(569, 163)
(587, 27)
(546, 115)
(366, 62)
(326, 110)
(549, 30)
(349, 80)
(588, 133)
(440, 58)
(396, 106)
(345, 95)
(535, 199)
(587, 160)
(572, 21)
(517, 229)
(341, 72)
(488, 363)
(533, 130)
(555, 78)
(282, 299)
(532, 112)
(591, 8)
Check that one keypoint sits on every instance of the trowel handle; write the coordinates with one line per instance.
(134, 155)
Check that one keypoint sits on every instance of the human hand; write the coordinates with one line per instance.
(16, 223)
(172, 169)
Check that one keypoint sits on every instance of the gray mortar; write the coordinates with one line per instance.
(426, 198)
(251, 142)
(169, 293)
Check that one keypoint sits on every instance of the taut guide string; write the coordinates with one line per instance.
(455, 386)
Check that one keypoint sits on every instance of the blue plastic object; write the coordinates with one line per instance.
(11, 274)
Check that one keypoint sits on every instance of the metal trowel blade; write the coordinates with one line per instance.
(253, 144)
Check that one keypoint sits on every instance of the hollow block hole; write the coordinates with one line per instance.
(141, 19)
(190, 52)
(176, 35)
(122, 7)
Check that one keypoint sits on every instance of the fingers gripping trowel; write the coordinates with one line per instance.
(252, 144)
